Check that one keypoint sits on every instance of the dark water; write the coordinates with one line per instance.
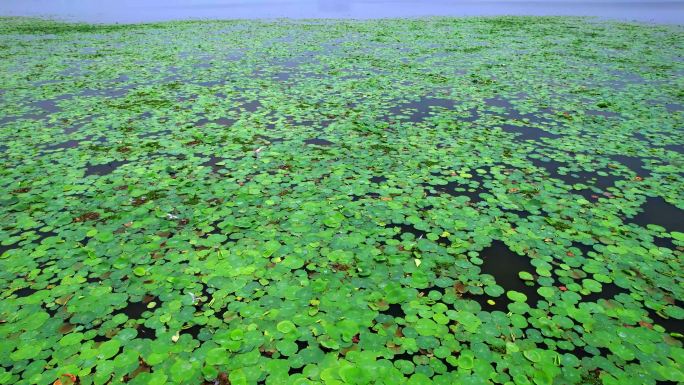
(658, 212)
(103, 169)
(504, 265)
(135, 11)
(319, 142)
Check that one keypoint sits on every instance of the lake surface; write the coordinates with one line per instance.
(297, 199)
(133, 11)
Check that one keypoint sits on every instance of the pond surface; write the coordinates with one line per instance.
(424, 202)
(133, 11)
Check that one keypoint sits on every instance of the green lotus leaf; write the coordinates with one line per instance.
(469, 321)
(466, 360)
(334, 220)
(350, 374)
(494, 290)
(546, 292)
(533, 355)
(516, 296)
(26, 351)
(157, 378)
(286, 327)
(109, 349)
(217, 356)
(238, 377)
(286, 347)
(71, 339)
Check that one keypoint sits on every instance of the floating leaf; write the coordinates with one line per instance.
(516, 296)
(286, 327)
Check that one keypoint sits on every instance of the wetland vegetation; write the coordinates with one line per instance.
(433, 201)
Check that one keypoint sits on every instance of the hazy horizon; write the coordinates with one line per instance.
(131, 11)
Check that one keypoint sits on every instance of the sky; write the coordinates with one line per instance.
(134, 11)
